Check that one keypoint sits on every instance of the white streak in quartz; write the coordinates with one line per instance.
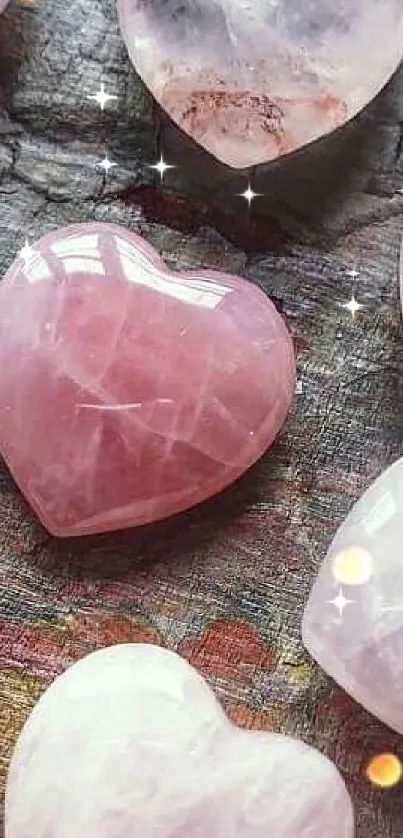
(125, 406)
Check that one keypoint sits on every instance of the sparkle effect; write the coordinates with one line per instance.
(161, 167)
(249, 194)
(106, 164)
(352, 306)
(340, 602)
(101, 97)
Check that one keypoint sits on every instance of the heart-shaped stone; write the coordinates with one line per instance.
(353, 622)
(401, 272)
(129, 392)
(131, 742)
(251, 81)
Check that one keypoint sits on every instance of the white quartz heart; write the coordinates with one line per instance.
(131, 743)
(353, 622)
(251, 81)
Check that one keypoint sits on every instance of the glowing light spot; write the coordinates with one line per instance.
(384, 770)
(352, 566)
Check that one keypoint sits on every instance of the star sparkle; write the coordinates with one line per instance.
(352, 306)
(161, 167)
(106, 164)
(353, 274)
(340, 602)
(102, 97)
(249, 194)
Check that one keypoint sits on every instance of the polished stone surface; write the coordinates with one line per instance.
(253, 81)
(129, 392)
(132, 742)
(362, 647)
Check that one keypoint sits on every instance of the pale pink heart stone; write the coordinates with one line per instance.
(360, 644)
(251, 81)
(3, 4)
(131, 743)
(129, 392)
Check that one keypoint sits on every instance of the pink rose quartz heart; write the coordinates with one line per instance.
(360, 644)
(401, 273)
(251, 81)
(129, 392)
(131, 743)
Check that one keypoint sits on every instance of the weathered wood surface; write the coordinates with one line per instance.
(226, 583)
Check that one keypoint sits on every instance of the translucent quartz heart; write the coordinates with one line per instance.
(251, 81)
(131, 742)
(362, 648)
(3, 4)
(129, 392)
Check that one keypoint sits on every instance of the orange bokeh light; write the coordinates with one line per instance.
(352, 566)
(384, 770)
